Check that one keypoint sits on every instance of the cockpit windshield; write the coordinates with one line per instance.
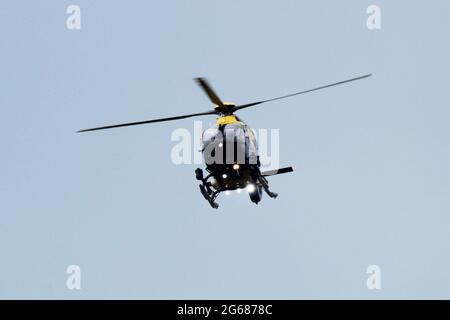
(211, 135)
(234, 131)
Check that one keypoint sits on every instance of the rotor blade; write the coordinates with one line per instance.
(149, 121)
(298, 93)
(202, 82)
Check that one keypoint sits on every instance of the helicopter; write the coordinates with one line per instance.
(230, 147)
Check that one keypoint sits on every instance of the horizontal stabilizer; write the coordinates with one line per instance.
(277, 171)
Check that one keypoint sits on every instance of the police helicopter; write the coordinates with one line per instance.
(229, 148)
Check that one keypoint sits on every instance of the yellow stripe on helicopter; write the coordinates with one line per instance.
(231, 118)
(226, 120)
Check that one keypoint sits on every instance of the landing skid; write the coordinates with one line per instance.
(210, 195)
(265, 185)
(205, 189)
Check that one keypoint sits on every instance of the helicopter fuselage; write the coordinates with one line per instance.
(230, 153)
(232, 163)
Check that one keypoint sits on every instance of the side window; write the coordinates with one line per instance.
(209, 135)
(253, 144)
(251, 134)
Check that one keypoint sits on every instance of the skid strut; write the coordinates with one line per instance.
(265, 185)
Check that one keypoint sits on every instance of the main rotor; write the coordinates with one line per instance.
(220, 108)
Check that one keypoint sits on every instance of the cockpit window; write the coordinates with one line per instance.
(235, 130)
(211, 134)
(251, 134)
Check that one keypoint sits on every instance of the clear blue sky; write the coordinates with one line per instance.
(372, 180)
